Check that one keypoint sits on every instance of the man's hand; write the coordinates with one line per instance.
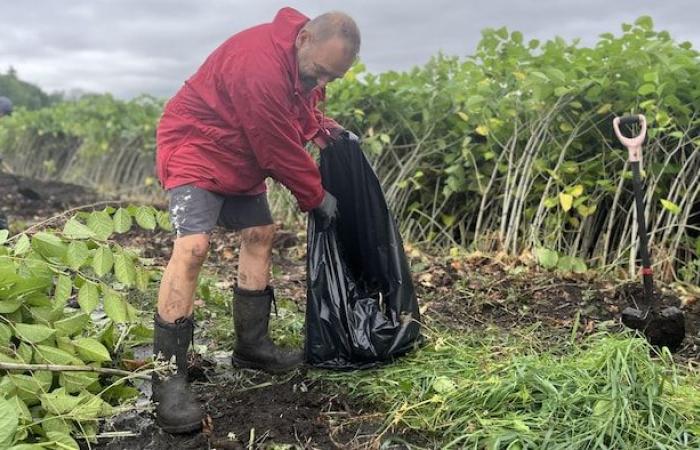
(352, 137)
(327, 212)
(336, 133)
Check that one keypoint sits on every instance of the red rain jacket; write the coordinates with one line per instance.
(243, 117)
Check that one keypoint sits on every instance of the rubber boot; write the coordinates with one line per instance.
(177, 409)
(254, 349)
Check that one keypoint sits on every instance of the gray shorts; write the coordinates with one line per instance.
(195, 211)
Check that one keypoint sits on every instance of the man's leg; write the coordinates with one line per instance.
(176, 294)
(194, 213)
(252, 305)
(255, 257)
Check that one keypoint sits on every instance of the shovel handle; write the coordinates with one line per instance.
(633, 144)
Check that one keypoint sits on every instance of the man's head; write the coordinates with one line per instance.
(326, 48)
(5, 106)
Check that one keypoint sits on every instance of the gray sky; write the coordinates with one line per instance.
(132, 46)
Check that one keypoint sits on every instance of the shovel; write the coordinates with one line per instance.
(665, 327)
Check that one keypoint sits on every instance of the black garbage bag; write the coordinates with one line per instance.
(361, 306)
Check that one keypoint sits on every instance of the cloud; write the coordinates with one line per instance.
(132, 46)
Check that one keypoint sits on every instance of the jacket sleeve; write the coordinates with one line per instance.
(266, 113)
(325, 134)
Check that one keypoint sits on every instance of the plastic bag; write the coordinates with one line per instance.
(361, 305)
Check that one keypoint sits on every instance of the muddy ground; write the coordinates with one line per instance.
(253, 410)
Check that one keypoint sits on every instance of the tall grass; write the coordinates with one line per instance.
(471, 392)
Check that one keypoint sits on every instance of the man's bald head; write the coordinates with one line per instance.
(336, 24)
(326, 48)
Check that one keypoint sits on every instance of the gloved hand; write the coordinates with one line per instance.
(336, 133)
(352, 136)
(327, 212)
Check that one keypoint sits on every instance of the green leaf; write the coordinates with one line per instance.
(9, 420)
(91, 350)
(51, 423)
(33, 333)
(670, 206)
(58, 402)
(122, 221)
(566, 200)
(25, 352)
(163, 219)
(23, 245)
(48, 245)
(10, 306)
(565, 263)
(579, 266)
(5, 334)
(124, 269)
(463, 116)
(77, 254)
(63, 290)
(3, 236)
(101, 223)
(102, 261)
(145, 218)
(93, 408)
(71, 325)
(88, 297)
(646, 89)
(76, 230)
(46, 354)
(547, 258)
(64, 441)
(115, 307)
(77, 381)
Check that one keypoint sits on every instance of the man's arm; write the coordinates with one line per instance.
(264, 109)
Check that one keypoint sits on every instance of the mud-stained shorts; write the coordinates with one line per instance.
(195, 211)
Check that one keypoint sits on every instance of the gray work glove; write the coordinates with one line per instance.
(327, 212)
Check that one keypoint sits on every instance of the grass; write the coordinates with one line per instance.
(486, 392)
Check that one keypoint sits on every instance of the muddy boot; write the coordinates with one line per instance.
(254, 349)
(177, 410)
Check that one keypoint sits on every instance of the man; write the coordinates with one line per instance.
(245, 115)
(5, 106)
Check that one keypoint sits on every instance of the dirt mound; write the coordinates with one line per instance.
(267, 413)
(28, 200)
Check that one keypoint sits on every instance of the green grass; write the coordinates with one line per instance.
(485, 392)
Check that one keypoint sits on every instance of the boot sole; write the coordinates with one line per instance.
(245, 364)
(181, 429)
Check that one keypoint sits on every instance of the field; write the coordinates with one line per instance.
(517, 216)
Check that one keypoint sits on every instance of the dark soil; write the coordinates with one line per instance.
(268, 412)
(485, 292)
(27, 200)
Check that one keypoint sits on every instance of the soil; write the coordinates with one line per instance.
(28, 200)
(269, 412)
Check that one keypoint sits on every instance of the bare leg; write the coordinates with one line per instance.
(256, 257)
(176, 294)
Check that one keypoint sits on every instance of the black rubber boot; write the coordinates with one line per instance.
(254, 349)
(177, 409)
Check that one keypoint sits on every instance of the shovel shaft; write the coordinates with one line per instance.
(643, 243)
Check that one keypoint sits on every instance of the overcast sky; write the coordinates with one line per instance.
(129, 47)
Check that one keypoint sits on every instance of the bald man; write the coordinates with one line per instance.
(244, 116)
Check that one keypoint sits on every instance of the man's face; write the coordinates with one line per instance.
(321, 62)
